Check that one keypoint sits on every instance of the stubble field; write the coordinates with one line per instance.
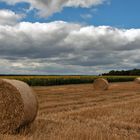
(77, 112)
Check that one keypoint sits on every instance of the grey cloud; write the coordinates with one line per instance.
(67, 48)
(35, 40)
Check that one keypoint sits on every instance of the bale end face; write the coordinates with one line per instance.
(101, 84)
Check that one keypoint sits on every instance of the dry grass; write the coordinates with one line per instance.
(77, 112)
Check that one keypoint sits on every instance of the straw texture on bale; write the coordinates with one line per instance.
(18, 105)
(100, 84)
(137, 80)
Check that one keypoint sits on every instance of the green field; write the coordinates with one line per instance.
(64, 80)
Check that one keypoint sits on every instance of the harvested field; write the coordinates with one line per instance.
(77, 112)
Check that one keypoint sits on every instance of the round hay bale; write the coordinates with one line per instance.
(137, 80)
(18, 105)
(100, 84)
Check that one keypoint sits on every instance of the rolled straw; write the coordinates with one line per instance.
(18, 105)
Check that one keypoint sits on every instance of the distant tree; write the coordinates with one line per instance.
(123, 72)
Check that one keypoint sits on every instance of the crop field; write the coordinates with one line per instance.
(65, 80)
(78, 112)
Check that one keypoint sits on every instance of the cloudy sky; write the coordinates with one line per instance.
(69, 36)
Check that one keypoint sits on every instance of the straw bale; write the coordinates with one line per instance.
(18, 105)
(100, 84)
(137, 80)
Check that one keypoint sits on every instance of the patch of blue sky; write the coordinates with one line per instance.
(17, 8)
(67, 14)
(120, 14)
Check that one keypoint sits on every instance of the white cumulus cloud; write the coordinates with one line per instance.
(67, 48)
(8, 17)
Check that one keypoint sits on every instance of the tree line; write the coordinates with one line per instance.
(123, 72)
